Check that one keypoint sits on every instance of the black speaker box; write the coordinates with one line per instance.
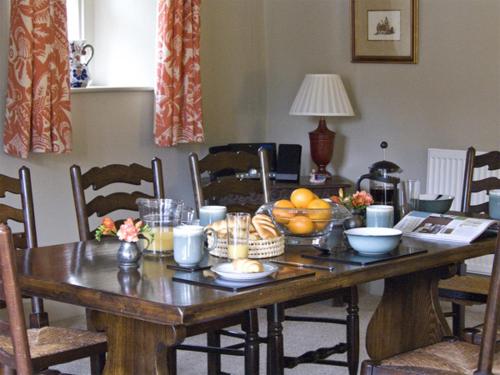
(288, 165)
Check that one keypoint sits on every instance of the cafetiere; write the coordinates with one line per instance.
(383, 185)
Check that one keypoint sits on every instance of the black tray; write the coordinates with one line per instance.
(210, 280)
(355, 258)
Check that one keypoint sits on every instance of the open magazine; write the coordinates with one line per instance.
(438, 227)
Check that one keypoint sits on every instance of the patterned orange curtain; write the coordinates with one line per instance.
(38, 91)
(178, 117)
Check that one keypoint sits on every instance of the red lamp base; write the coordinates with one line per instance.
(321, 144)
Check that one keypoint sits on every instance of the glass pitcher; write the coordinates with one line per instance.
(161, 215)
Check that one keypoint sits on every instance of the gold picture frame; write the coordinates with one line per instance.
(384, 31)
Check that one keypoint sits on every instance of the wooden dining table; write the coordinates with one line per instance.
(144, 311)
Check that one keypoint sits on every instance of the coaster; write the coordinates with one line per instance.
(211, 280)
(205, 264)
(353, 257)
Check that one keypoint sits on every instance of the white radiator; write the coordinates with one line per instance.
(445, 175)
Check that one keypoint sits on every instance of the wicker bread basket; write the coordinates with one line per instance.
(258, 249)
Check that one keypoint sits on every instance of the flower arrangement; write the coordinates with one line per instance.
(357, 201)
(128, 231)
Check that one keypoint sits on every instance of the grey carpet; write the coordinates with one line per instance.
(299, 337)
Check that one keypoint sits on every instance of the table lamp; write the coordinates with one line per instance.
(322, 95)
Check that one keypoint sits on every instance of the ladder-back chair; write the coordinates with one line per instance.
(230, 190)
(452, 356)
(468, 288)
(25, 215)
(34, 350)
(277, 313)
(100, 177)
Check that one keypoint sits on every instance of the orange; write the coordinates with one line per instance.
(301, 197)
(301, 225)
(319, 204)
(320, 225)
(283, 216)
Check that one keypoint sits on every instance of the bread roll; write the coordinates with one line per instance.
(254, 236)
(264, 226)
(221, 226)
(247, 266)
(218, 226)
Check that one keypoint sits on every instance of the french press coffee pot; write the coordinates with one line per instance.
(384, 183)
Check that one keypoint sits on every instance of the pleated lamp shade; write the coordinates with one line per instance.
(322, 95)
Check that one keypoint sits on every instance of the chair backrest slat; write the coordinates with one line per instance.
(103, 205)
(487, 353)
(16, 324)
(238, 161)
(100, 177)
(492, 161)
(133, 174)
(216, 188)
(9, 185)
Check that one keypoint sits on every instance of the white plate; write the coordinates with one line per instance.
(226, 271)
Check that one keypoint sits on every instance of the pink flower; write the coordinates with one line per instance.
(361, 199)
(129, 231)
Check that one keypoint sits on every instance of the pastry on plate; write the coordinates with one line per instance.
(247, 266)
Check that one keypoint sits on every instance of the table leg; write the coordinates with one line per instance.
(409, 315)
(275, 354)
(135, 346)
(251, 328)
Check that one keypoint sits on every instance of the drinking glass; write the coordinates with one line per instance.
(410, 196)
(238, 224)
(188, 216)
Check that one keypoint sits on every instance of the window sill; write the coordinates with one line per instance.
(89, 89)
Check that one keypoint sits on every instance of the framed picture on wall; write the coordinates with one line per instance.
(384, 31)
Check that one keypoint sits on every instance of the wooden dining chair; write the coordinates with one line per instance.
(276, 313)
(467, 289)
(25, 215)
(34, 350)
(235, 193)
(100, 177)
(452, 356)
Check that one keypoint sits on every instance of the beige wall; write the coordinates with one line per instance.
(113, 127)
(449, 100)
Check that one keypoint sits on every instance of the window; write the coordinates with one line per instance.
(76, 13)
(122, 33)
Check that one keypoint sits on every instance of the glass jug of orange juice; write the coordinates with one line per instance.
(161, 215)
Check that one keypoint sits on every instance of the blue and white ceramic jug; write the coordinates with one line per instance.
(79, 58)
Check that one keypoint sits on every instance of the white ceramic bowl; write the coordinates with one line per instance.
(373, 241)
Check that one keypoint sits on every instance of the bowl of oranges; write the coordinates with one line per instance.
(304, 214)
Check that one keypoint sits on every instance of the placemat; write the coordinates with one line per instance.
(353, 257)
(211, 280)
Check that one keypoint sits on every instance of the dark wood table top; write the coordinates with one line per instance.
(86, 274)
